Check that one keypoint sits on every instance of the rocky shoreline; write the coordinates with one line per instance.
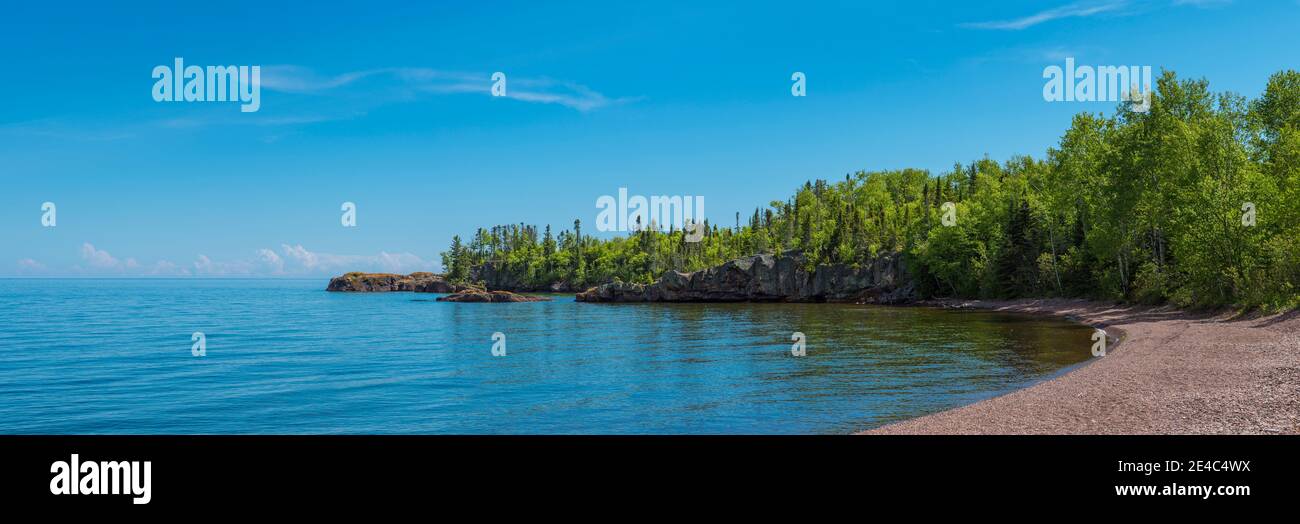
(1175, 372)
(769, 278)
(758, 278)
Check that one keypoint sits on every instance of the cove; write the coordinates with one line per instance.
(285, 356)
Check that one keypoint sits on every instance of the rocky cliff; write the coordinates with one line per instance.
(378, 282)
(497, 279)
(769, 278)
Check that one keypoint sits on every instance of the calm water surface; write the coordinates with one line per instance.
(284, 356)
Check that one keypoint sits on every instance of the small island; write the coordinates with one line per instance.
(420, 282)
(424, 282)
(491, 296)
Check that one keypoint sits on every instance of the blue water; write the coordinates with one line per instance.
(284, 356)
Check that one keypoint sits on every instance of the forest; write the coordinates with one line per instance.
(1195, 203)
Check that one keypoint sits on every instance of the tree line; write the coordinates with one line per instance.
(1195, 202)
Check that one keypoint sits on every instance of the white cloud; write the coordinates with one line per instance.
(297, 79)
(102, 260)
(301, 260)
(168, 268)
(272, 260)
(300, 255)
(567, 94)
(29, 266)
(386, 86)
(1088, 8)
(296, 260)
(289, 261)
(206, 267)
(1074, 10)
(301, 80)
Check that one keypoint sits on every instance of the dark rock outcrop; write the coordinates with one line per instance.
(380, 282)
(494, 277)
(491, 296)
(769, 278)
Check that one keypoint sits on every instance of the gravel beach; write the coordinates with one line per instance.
(1172, 372)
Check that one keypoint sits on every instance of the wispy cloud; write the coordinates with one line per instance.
(28, 266)
(303, 80)
(1090, 8)
(357, 92)
(1074, 10)
(568, 94)
(296, 79)
(296, 260)
(292, 260)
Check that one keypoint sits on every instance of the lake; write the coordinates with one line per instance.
(113, 356)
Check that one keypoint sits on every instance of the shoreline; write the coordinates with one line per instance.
(1168, 372)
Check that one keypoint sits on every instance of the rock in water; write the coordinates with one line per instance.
(420, 282)
(768, 278)
(491, 296)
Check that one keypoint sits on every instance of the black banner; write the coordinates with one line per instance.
(139, 473)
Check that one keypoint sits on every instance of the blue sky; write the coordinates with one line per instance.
(389, 107)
